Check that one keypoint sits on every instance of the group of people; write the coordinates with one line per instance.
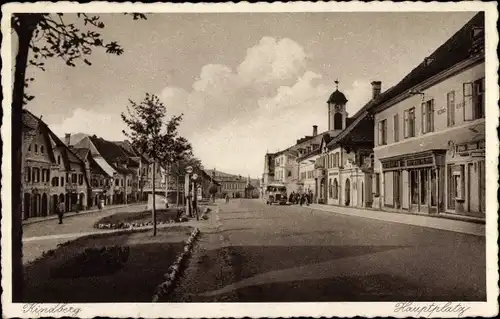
(301, 198)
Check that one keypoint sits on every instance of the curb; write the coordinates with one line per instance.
(135, 225)
(444, 216)
(175, 269)
(72, 214)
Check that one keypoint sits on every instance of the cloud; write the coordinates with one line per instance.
(106, 125)
(358, 95)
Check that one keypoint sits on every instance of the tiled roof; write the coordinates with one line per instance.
(30, 120)
(109, 150)
(453, 51)
(81, 152)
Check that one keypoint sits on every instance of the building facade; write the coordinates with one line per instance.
(430, 132)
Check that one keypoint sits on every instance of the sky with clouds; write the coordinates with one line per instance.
(246, 83)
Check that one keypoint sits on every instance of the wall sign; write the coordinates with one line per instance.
(441, 111)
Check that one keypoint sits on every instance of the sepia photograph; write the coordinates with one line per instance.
(249, 160)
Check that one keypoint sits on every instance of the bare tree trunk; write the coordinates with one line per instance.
(177, 190)
(154, 202)
(25, 29)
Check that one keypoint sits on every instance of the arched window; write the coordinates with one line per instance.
(337, 121)
(335, 189)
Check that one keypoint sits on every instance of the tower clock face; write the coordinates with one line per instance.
(338, 107)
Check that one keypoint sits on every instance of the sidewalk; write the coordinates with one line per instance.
(83, 212)
(459, 226)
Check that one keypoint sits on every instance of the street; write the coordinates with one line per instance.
(291, 253)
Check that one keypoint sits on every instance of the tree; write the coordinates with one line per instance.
(213, 191)
(179, 169)
(45, 35)
(153, 137)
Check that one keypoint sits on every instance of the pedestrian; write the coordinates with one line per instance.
(227, 198)
(60, 212)
(290, 199)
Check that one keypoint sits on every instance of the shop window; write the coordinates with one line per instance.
(396, 127)
(382, 132)
(414, 184)
(450, 108)
(423, 186)
(433, 188)
(428, 116)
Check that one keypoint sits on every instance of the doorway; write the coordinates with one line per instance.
(347, 192)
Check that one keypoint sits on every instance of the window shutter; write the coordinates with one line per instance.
(405, 123)
(468, 101)
(424, 118)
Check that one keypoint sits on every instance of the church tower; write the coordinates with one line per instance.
(337, 114)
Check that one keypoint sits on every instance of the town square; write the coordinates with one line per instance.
(176, 158)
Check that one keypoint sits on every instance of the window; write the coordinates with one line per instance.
(80, 179)
(474, 100)
(428, 116)
(62, 181)
(27, 174)
(396, 128)
(409, 123)
(37, 172)
(41, 149)
(479, 96)
(414, 185)
(382, 132)
(117, 182)
(450, 107)
(55, 181)
(29, 148)
(74, 178)
(36, 148)
(58, 160)
(423, 186)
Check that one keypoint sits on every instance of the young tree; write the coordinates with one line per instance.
(213, 191)
(179, 170)
(153, 137)
(45, 35)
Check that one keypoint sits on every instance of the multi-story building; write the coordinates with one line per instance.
(232, 185)
(114, 161)
(430, 131)
(52, 172)
(344, 169)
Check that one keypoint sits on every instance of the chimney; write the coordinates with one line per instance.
(376, 88)
(315, 130)
(67, 139)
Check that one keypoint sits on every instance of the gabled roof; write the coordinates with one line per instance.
(453, 51)
(109, 150)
